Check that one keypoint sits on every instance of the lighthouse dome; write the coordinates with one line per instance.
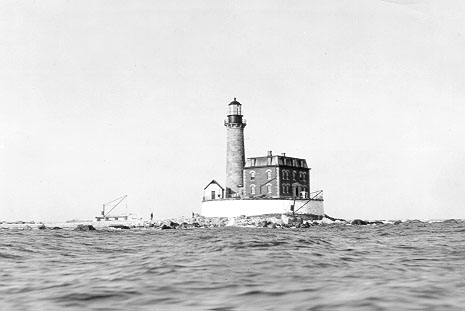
(234, 102)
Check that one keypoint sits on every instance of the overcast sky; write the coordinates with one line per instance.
(99, 99)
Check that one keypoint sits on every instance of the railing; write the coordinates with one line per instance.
(244, 121)
(317, 195)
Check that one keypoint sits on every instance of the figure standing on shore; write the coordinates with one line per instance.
(151, 216)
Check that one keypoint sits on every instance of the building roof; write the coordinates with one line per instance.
(276, 160)
(213, 182)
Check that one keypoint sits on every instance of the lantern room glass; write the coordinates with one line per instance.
(234, 109)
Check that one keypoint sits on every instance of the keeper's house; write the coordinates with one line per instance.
(276, 176)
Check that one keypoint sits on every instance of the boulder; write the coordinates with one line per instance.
(183, 225)
(42, 227)
(173, 225)
(231, 222)
(358, 222)
(84, 228)
(164, 227)
(287, 219)
(119, 226)
(397, 222)
(275, 220)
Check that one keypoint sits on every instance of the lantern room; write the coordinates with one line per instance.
(234, 112)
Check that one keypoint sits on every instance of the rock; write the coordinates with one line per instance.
(413, 221)
(164, 227)
(120, 227)
(231, 222)
(55, 228)
(333, 219)
(42, 227)
(184, 225)
(275, 220)
(84, 228)
(397, 222)
(173, 225)
(287, 219)
(358, 222)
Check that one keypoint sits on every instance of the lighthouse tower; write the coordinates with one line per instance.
(235, 154)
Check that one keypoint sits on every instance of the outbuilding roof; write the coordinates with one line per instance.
(213, 182)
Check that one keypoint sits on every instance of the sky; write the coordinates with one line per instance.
(100, 99)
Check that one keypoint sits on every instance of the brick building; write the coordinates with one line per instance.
(276, 176)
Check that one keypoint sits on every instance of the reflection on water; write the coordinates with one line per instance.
(418, 266)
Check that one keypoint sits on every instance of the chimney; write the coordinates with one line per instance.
(283, 154)
(270, 153)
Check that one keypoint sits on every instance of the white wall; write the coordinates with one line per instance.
(232, 208)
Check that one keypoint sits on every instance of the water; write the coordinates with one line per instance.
(417, 266)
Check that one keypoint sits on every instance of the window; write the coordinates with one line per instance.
(252, 176)
(268, 174)
(294, 173)
(286, 188)
(252, 189)
(285, 175)
(304, 176)
(269, 188)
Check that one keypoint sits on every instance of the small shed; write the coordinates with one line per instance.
(213, 191)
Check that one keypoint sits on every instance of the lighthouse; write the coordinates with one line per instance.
(235, 153)
(270, 184)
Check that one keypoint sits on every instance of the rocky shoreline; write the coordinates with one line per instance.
(281, 221)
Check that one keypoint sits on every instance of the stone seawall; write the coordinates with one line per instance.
(250, 207)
